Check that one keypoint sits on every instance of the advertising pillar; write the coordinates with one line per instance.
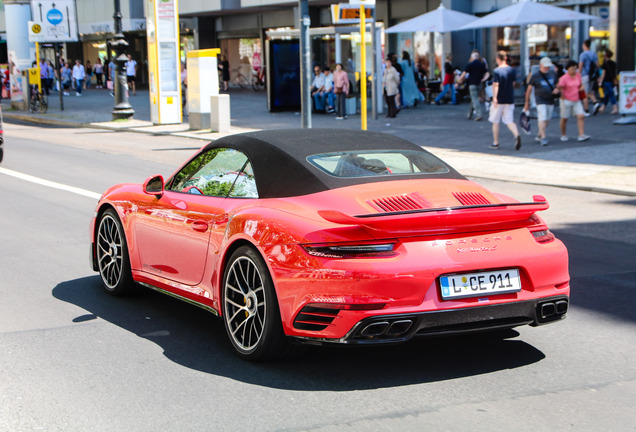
(203, 83)
(162, 26)
(21, 51)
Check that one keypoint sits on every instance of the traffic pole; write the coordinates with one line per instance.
(363, 68)
(37, 61)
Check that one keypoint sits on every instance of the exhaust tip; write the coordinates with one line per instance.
(548, 310)
(561, 307)
(399, 328)
(375, 329)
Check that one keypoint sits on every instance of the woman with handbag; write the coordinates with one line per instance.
(572, 92)
(341, 89)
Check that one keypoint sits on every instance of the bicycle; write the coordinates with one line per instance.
(240, 79)
(38, 101)
(258, 78)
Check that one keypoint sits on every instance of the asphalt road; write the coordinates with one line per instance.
(73, 358)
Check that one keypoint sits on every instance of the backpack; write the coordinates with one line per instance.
(594, 72)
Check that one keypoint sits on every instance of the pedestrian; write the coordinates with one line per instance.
(51, 76)
(112, 72)
(448, 83)
(184, 87)
(131, 73)
(503, 103)
(544, 84)
(317, 85)
(341, 89)
(411, 94)
(398, 67)
(44, 76)
(79, 74)
(99, 73)
(608, 80)
(572, 93)
(224, 67)
(476, 74)
(326, 95)
(391, 84)
(588, 68)
(89, 74)
(66, 78)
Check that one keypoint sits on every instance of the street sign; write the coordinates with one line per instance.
(57, 21)
(35, 32)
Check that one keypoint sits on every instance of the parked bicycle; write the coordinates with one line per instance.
(258, 78)
(38, 102)
(240, 79)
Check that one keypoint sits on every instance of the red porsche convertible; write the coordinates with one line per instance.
(331, 236)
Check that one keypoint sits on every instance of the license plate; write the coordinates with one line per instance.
(480, 284)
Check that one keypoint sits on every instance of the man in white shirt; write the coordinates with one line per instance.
(78, 75)
(326, 94)
(316, 85)
(131, 73)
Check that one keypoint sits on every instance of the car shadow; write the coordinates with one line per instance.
(196, 339)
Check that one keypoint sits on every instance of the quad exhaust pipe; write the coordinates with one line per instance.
(552, 310)
(387, 329)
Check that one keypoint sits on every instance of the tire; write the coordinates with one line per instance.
(44, 105)
(250, 308)
(112, 255)
(34, 106)
(255, 83)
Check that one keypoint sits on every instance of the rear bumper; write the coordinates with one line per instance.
(402, 327)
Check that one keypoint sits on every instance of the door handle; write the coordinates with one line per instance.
(200, 226)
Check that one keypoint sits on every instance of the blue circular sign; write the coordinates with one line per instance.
(54, 16)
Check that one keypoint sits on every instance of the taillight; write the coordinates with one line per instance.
(363, 250)
(543, 236)
(540, 230)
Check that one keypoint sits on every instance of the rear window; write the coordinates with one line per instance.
(378, 163)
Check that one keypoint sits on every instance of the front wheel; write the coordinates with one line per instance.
(34, 105)
(250, 308)
(112, 255)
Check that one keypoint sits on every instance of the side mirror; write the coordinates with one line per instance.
(154, 186)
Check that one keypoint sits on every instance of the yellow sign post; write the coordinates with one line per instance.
(363, 68)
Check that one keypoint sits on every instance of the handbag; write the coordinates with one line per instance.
(581, 94)
(524, 122)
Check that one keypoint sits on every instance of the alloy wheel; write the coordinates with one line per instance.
(245, 303)
(110, 251)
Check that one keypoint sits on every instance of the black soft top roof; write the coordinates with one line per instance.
(281, 168)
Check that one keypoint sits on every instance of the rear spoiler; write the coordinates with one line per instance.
(441, 219)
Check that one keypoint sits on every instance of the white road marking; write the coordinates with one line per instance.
(50, 184)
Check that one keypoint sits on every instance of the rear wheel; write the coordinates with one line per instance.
(112, 255)
(44, 105)
(250, 308)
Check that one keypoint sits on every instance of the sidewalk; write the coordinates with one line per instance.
(606, 163)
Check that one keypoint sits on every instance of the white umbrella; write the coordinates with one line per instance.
(526, 13)
(440, 20)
